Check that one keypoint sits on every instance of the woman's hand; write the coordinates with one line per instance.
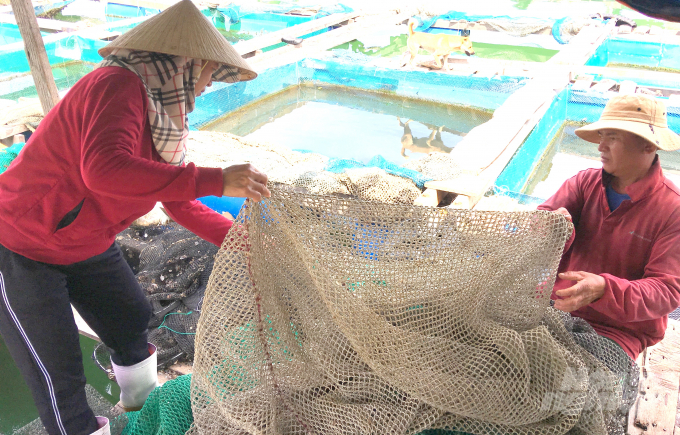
(244, 181)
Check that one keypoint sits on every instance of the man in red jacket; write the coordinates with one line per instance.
(110, 150)
(621, 268)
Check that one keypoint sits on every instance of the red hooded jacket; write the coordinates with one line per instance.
(636, 248)
(94, 148)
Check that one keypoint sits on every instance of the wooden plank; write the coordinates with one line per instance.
(12, 130)
(677, 419)
(632, 413)
(488, 148)
(657, 405)
(582, 46)
(269, 39)
(289, 54)
(531, 69)
(665, 356)
(476, 27)
(43, 23)
(583, 83)
(36, 54)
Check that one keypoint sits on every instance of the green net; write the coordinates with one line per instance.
(167, 411)
(8, 155)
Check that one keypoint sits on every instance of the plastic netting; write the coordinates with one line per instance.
(328, 315)
(8, 155)
(172, 266)
(378, 180)
(649, 55)
(167, 411)
(476, 92)
(675, 315)
(71, 57)
(9, 34)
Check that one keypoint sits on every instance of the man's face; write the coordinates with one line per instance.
(622, 153)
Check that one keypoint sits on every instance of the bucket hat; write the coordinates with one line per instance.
(638, 114)
(182, 30)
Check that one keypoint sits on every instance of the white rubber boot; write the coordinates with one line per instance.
(137, 381)
(104, 427)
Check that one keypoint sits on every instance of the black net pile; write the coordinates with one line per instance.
(173, 267)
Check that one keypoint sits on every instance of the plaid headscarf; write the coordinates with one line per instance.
(170, 86)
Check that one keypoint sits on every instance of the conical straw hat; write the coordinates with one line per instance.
(182, 30)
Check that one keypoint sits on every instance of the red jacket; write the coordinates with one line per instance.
(95, 147)
(636, 248)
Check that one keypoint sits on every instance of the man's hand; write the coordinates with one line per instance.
(244, 181)
(588, 288)
(564, 212)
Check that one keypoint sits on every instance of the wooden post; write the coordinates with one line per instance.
(36, 54)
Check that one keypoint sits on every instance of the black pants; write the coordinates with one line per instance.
(37, 325)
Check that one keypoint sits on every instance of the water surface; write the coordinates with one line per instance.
(352, 124)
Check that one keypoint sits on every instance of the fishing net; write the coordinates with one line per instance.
(172, 266)
(166, 411)
(675, 315)
(331, 315)
(8, 155)
(314, 172)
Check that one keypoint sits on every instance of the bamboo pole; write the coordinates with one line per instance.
(36, 54)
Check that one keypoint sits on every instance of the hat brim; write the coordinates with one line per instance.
(661, 137)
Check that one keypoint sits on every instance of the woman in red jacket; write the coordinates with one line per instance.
(104, 156)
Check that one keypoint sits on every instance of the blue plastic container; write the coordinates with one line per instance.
(224, 203)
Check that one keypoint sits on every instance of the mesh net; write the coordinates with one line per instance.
(172, 266)
(314, 172)
(70, 57)
(658, 55)
(8, 155)
(166, 411)
(675, 315)
(328, 315)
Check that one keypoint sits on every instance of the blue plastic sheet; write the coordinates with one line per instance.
(340, 165)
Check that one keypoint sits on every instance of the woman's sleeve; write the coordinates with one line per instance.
(114, 118)
(199, 219)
